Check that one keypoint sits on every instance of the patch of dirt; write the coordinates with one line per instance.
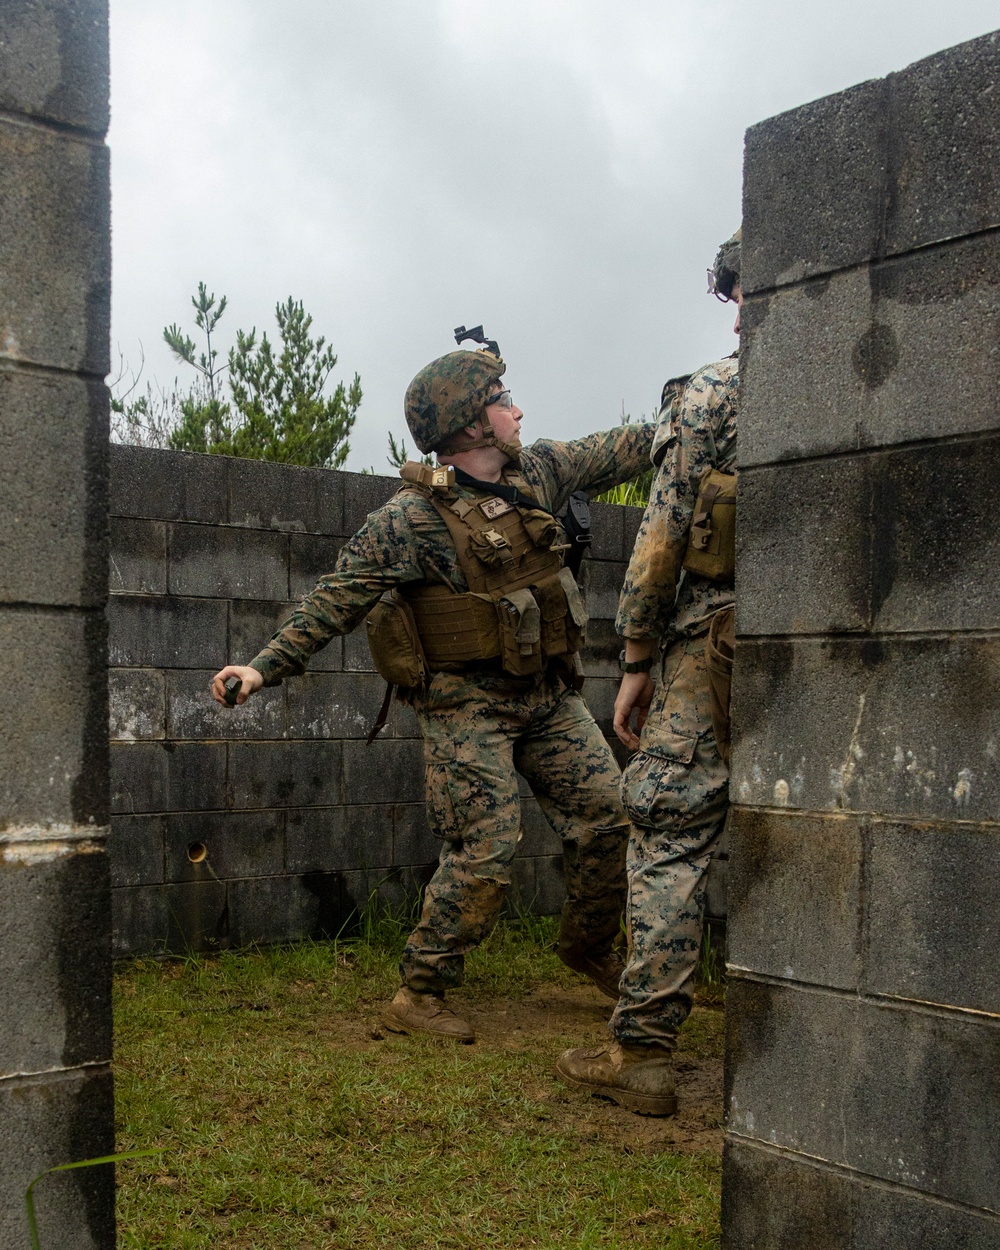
(551, 1017)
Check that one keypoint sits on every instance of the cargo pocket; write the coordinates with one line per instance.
(655, 790)
(442, 815)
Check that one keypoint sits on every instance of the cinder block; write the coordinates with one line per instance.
(931, 922)
(196, 775)
(600, 654)
(631, 520)
(334, 705)
(49, 1119)
(945, 129)
(413, 843)
(599, 694)
(363, 493)
(539, 837)
(55, 957)
(402, 721)
(251, 624)
(812, 188)
(54, 62)
(906, 350)
(311, 555)
(265, 910)
(794, 895)
(523, 893)
(137, 705)
(607, 525)
(53, 435)
(550, 890)
(324, 839)
(170, 919)
(238, 844)
(138, 777)
(55, 262)
(192, 713)
(138, 558)
(858, 1084)
(357, 656)
(717, 889)
(135, 850)
(935, 542)
(772, 1201)
(388, 771)
(157, 631)
(902, 727)
(332, 902)
(803, 547)
(284, 774)
(226, 563)
(53, 718)
(168, 485)
(285, 497)
(602, 585)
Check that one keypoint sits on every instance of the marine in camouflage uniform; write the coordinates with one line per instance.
(481, 725)
(676, 786)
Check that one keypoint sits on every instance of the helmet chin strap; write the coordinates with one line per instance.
(489, 439)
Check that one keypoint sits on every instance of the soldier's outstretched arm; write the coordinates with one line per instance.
(593, 464)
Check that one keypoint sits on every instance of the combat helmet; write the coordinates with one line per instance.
(449, 394)
(725, 273)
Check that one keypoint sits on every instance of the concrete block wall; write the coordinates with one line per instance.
(863, 1083)
(300, 819)
(56, 1102)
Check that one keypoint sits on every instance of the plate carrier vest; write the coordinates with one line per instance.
(522, 609)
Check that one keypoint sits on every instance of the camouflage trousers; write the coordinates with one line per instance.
(477, 731)
(676, 792)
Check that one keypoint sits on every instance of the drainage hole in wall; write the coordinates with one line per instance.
(197, 852)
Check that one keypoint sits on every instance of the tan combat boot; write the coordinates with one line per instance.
(639, 1078)
(410, 1012)
(604, 970)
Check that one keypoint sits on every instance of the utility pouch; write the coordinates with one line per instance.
(394, 642)
(711, 546)
(720, 647)
(520, 633)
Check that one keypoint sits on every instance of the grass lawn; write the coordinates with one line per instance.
(291, 1120)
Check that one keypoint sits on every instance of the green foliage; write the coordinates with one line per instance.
(278, 409)
(206, 318)
(634, 494)
(273, 405)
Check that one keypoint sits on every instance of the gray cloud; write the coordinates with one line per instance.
(562, 172)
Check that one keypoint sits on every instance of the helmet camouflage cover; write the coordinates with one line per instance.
(449, 394)
(725, 273)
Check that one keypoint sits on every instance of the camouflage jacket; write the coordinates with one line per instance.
(406, 541)
(696, 431)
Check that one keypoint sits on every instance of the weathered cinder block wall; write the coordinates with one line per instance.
(864, 1001)
(302, 821)
(55, 922)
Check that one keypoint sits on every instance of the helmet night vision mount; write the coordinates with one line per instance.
(477, 336)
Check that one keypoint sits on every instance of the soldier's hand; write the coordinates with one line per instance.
(634, 696)
(250, 681)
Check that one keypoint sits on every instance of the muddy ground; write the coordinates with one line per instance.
(549, 1017)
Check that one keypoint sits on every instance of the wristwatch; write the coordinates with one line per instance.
(634, 666)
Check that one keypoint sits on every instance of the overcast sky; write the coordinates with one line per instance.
(561, 170)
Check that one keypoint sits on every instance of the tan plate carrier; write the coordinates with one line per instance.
(522, 607)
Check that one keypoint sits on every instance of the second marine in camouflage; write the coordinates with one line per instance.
(464, 564)
(676, 785)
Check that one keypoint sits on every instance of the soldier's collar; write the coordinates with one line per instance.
(502, 490)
